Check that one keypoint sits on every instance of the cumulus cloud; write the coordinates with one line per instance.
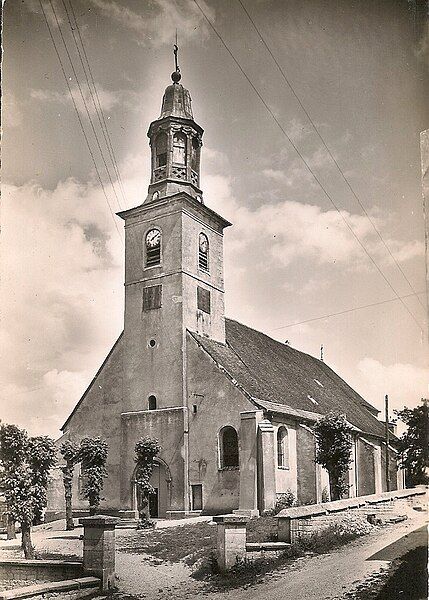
(291, 230)
(61, 297)
(158, 21)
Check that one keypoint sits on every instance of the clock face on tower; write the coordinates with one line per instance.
(153, 238)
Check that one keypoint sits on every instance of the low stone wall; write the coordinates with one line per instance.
(39, 570)
(71, 589)
(303, 521)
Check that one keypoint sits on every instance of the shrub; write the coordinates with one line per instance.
(286, 500)
(352, 525)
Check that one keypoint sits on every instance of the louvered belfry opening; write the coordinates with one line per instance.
(203, 252)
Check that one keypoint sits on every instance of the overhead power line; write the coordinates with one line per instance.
(79, 118)
(84, 102)
(289, 84)
(348, 310)
(83, 56)
(261, 98)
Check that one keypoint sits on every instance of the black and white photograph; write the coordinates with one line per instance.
(214, 342)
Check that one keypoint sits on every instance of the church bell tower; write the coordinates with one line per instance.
(173, 262)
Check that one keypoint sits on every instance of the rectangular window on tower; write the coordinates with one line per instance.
(152, 297)
(203, 299)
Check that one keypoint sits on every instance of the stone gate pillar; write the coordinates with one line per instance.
(231, 540)
(99, 548)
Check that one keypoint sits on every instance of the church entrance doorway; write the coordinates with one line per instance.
(157, 501)
(154, 505)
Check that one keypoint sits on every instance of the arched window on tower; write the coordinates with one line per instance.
(151, 402)
(179, 149)
(161, 150)
(282, 448)
(195, 155)
(153, 247)
(203, 252)
(228, 447)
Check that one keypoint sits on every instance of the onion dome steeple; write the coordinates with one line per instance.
(175, 141)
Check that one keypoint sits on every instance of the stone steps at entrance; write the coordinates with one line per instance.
(269, 546)
(127, 524)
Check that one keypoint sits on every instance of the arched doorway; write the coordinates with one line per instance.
(160, 501)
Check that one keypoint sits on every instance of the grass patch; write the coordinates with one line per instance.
(190, 542)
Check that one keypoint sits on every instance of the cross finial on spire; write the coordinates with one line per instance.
(176, 76)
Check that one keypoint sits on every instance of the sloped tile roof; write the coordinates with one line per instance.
(278, 374)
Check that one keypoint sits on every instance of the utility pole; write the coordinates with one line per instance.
(386, 411)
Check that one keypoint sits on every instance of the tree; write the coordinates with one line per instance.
(26, 463)
(414, 443)
(70, 453)
(41, 459)
(146, 450)
(93, 457)
(13, 446)
(334, 449)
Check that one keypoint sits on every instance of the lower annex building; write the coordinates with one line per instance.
(232, 408)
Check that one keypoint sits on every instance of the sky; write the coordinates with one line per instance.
(296, 253)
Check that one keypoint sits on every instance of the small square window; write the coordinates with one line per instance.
(152, 297)
(203, 299)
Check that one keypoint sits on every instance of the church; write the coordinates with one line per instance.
(232, 408)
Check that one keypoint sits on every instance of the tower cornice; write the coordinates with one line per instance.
(164, 123)
(170, 201)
